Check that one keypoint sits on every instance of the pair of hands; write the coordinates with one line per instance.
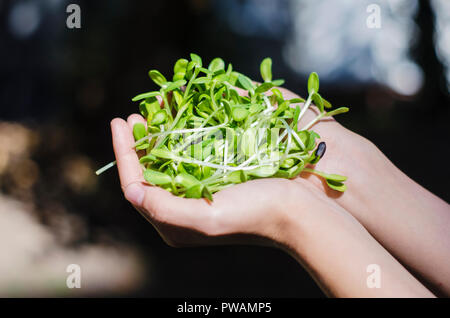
(317, 225)
(258, 210)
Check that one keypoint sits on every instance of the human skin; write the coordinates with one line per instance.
(318, 226)
(409, 221)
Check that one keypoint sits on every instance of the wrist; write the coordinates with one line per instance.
(303, 216)
(313, 227)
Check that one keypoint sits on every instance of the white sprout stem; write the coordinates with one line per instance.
(293, 133)
(209, 158)
(225, 154)
(207, 120)
(211, 116)
(217, 175)
(106, 167)
(269, 105)
(297, 156)
(177, 118)
(190, 139)
(282, 136)
(305, 107)
(216, 166)
(201, 129)
(315, 120)
(254, 124)
(288, 147)
(166, 103)
(211, 93)
(246, 162)
(180, 131)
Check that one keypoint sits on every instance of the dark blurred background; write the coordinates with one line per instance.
(60, 87)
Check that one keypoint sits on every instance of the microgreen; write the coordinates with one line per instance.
(266, 69)
(206, 137)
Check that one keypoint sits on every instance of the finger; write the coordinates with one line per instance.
(287, 94)
(130, 171)
(160, 204)
(135, 119)
(166, 208)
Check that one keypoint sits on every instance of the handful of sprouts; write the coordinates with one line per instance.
(207, 136)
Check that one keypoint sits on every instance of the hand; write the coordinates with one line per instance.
(257, 210)
(291, 214)
(346, 153)
(399, 213)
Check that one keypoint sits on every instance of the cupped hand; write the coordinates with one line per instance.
(402, 215)
(303, 215)
(258, 211)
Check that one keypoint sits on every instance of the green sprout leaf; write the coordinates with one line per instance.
(326, 103)
(145, 95)
(178, 76)
(245, 82)
(278, 82)
(266, 69)
(139, 131)
(159, 118)
(162, 153)
(180, 66)
(156, 177)
(318, 101)
(201, 80)
(239, 114)
(336, 185)
(263, 172)
(278, 94)
(207, 194)
(174, 85)
(149, 107)
(186, 180)
(233, 177)
(157, 77)
(313, 83)
(216, 64)
(196, 59)
(264, 87)
(147, 159)
(201, 134)
(334, 181)
(195, 192)
(337, 111)
(296, 100)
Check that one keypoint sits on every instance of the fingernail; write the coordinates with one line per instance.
(135, 194)
(321, 148)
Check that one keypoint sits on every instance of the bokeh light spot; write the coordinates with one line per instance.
(24, 19)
